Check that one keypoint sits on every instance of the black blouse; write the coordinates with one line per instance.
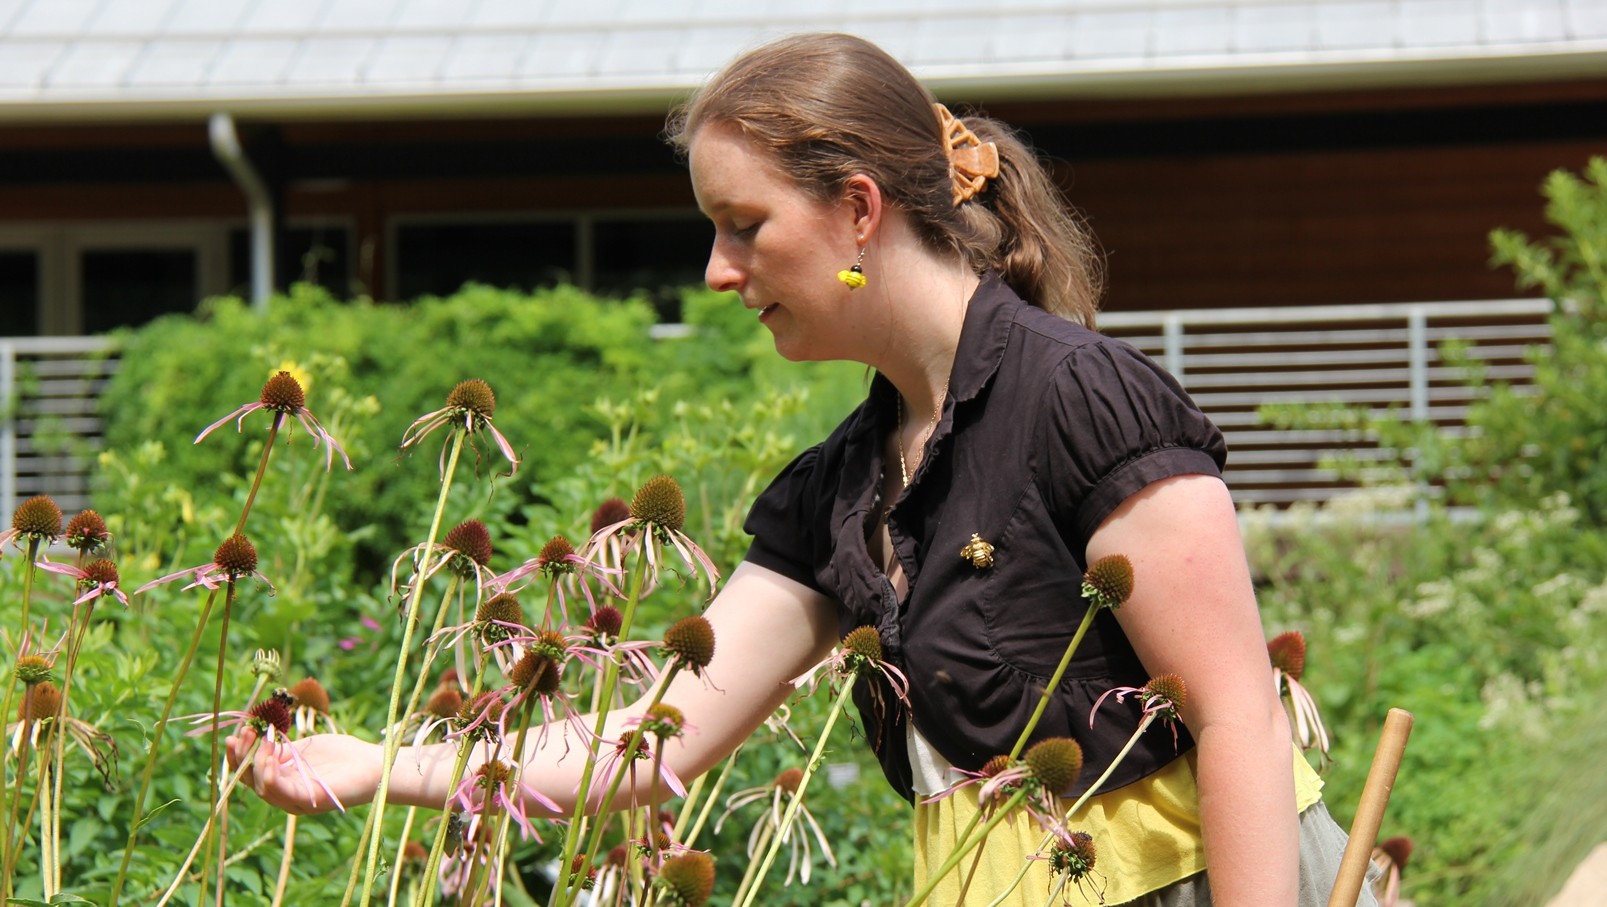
(1047, 428)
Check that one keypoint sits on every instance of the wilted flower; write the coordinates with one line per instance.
(599, 642)
(235, 559)
(498, 623)
(493, 783)
(1072, 855)
(861, 655)
(87, 532)
(311, 702)
(41, 711)
(1288, 654)
(611, 764)
(1048, 769)
(1391, 857)
(37, 519)
(465, 550)
(1108, 582)
(470, 404)
(686, 880)
(283, 396)
(440, 709)
(271, 719)
(96, 579)
(567, 572)
(779, 793)
(657, 518)
(690, 643)
(1161, 697)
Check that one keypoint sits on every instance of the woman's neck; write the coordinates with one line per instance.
(925, 319)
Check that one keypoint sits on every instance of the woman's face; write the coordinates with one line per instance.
(775, 246)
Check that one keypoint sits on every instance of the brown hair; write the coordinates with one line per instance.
(830, 106)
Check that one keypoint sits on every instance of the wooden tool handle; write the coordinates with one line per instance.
(1370, 811)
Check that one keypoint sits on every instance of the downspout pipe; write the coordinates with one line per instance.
(226, 147)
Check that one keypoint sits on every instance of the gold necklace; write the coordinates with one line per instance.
(903, 470)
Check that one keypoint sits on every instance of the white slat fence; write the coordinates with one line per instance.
(1231, 360)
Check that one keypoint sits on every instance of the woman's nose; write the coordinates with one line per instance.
(720, 273)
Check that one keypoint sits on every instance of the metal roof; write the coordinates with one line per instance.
(180, 59)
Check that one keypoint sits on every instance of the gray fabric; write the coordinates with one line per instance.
(1322, 845)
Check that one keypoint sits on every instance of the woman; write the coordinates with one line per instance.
(860, 221)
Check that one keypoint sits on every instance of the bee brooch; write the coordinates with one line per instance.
(978, 552)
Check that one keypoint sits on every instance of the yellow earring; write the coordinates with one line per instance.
(854, 276)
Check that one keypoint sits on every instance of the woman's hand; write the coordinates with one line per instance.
(349, 767)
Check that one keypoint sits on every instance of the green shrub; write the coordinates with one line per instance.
(1480, 620)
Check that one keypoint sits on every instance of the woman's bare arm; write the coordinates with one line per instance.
(1193, 613)
(768, 630)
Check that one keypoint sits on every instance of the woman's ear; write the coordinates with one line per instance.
(863, 199)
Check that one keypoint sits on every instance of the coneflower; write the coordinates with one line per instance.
(690, 643)
(87, 533)
(470, 406)
(776, 795)
(234, 560)
(1108, 582)
(657, 518)
(1287, 652)
(567, 572)
(686, 880)
(497, 785)
(37, 519)
(283, 396)
(95, 579)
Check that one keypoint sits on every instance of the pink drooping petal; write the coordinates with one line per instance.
(171, 577)
(238, 415)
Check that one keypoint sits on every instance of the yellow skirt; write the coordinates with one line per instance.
(1156, 821)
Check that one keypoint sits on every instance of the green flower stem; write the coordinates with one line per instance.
(10, 855)
(408, 819)
(393, 741)
(709, 803)
(10, 860)
(1081, 801)
(262, 469)
(206, 830)
(283, 881)
(156, 745)
(562, 895)
(217, 706)
(1054, 679)
(499, 837)
(431, 650)
(762, 845)
(77, 629)
(632, 745)
(970, 874)
(48, 827)
(965, 847)
(815, 758)
(426, 895)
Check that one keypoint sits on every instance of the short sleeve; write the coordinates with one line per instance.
(783, 524)
(1115, 422)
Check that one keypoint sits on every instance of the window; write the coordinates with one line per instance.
(19, 294)
(128, 287)
(436, 259)
(659, 257)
